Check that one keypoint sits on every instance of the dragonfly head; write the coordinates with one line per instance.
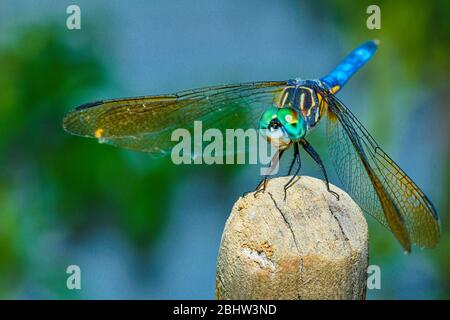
(282, 126)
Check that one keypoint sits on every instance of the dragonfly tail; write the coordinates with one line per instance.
(336, 79)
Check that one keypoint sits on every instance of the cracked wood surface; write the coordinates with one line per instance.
(309, 246)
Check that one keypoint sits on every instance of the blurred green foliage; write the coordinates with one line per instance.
(48, 178)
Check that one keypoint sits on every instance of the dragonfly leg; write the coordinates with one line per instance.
(310, 150)
(296, 154)
(296, 159)
(261, 187)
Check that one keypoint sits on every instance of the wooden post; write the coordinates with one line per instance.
(311, 246)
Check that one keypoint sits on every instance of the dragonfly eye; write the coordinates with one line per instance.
(294, 124)
(268, 117)
(273, 130)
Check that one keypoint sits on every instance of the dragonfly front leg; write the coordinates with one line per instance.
(261, 187)
(310, 150)
(296, 159)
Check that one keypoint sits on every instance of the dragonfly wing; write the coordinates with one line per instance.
(146, 123)
(376, 182)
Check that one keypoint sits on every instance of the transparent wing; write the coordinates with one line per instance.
(146, 123)
(376, 182)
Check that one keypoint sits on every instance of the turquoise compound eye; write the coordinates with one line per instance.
(293, 124)
(268, 116)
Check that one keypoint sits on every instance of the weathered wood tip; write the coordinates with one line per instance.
(311, 246)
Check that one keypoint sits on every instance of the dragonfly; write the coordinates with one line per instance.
(286, 111)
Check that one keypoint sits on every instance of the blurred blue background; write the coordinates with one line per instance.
(144, 228)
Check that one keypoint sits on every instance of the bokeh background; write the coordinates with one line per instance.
(144, 228)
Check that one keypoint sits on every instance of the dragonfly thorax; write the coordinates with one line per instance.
(303, 98)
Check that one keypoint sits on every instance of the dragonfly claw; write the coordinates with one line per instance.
(261, 187)
(334, 194)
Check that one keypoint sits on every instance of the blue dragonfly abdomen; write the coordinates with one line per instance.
(337, 78)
